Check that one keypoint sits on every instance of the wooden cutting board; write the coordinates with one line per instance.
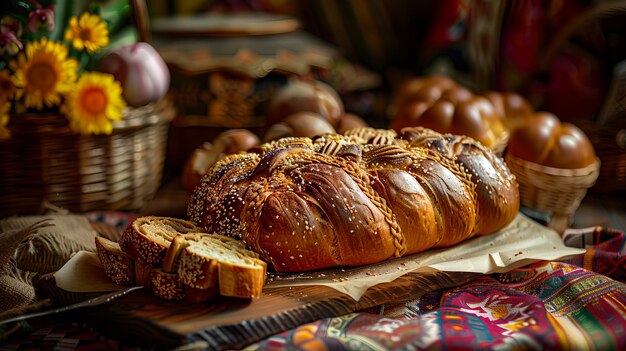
(140, 319)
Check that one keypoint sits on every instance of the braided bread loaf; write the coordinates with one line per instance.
(355, 199)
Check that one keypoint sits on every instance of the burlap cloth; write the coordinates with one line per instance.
(34, 245)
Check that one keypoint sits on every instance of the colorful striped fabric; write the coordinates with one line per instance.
(576, 303)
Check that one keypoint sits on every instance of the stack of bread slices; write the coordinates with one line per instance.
(178, 260)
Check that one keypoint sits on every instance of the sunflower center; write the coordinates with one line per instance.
(94, 101)
(42, 76)
(85, 34)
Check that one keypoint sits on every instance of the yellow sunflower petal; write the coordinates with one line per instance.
(5, 133)
(93, 103)
(89, 32)
(43, 74)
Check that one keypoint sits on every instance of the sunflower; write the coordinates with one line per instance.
(95, 101)
(4, 120)
(89, 32)
(43, 73)
(7, 88)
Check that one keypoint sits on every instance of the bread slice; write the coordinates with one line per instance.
(177, 260)
(219, 261)
(147, 238)
(166, 285)
(118, 265)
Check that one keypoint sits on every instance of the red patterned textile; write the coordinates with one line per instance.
(576, 303)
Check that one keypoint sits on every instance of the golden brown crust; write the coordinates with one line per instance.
(327, 202)
(545, 140)
(118, 265)
(166, 285)
(496, 190)
(197, 271)
(242, 282)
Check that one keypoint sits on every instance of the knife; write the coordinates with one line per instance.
(102, 299)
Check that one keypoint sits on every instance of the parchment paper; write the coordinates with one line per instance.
(84, 273)
(522, 242)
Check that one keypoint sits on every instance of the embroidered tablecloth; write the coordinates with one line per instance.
(577, 303)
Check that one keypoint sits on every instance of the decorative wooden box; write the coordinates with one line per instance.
(226, 67)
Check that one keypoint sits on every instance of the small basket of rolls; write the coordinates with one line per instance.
(555, 164)
(441, 104)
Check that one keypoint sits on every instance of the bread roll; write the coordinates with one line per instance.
(511, 108)
(232, 141)
(300, 124)
(427, 89)
(302, 96)
(356, 199)
(544, 140)
(457, 112)
(350, 121)
(440, 104)
(228, 142)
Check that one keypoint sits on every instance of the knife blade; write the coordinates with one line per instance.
(102, 299)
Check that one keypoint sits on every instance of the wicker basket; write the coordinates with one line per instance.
(501, 144)
(609, 142)
(554, 191)
(45, 161)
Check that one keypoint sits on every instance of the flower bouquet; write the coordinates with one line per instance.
(68, 134)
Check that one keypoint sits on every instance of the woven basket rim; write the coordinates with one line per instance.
(161, 111)
(565, 172)
(501, 143)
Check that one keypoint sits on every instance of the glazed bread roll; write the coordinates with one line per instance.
(457, 112)
(355, 199)
(227, 142)
(512, 108)
(300, 124)
(302, 96)
(427, 89)
(350, 121)
(440, 104)
(545, 140)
